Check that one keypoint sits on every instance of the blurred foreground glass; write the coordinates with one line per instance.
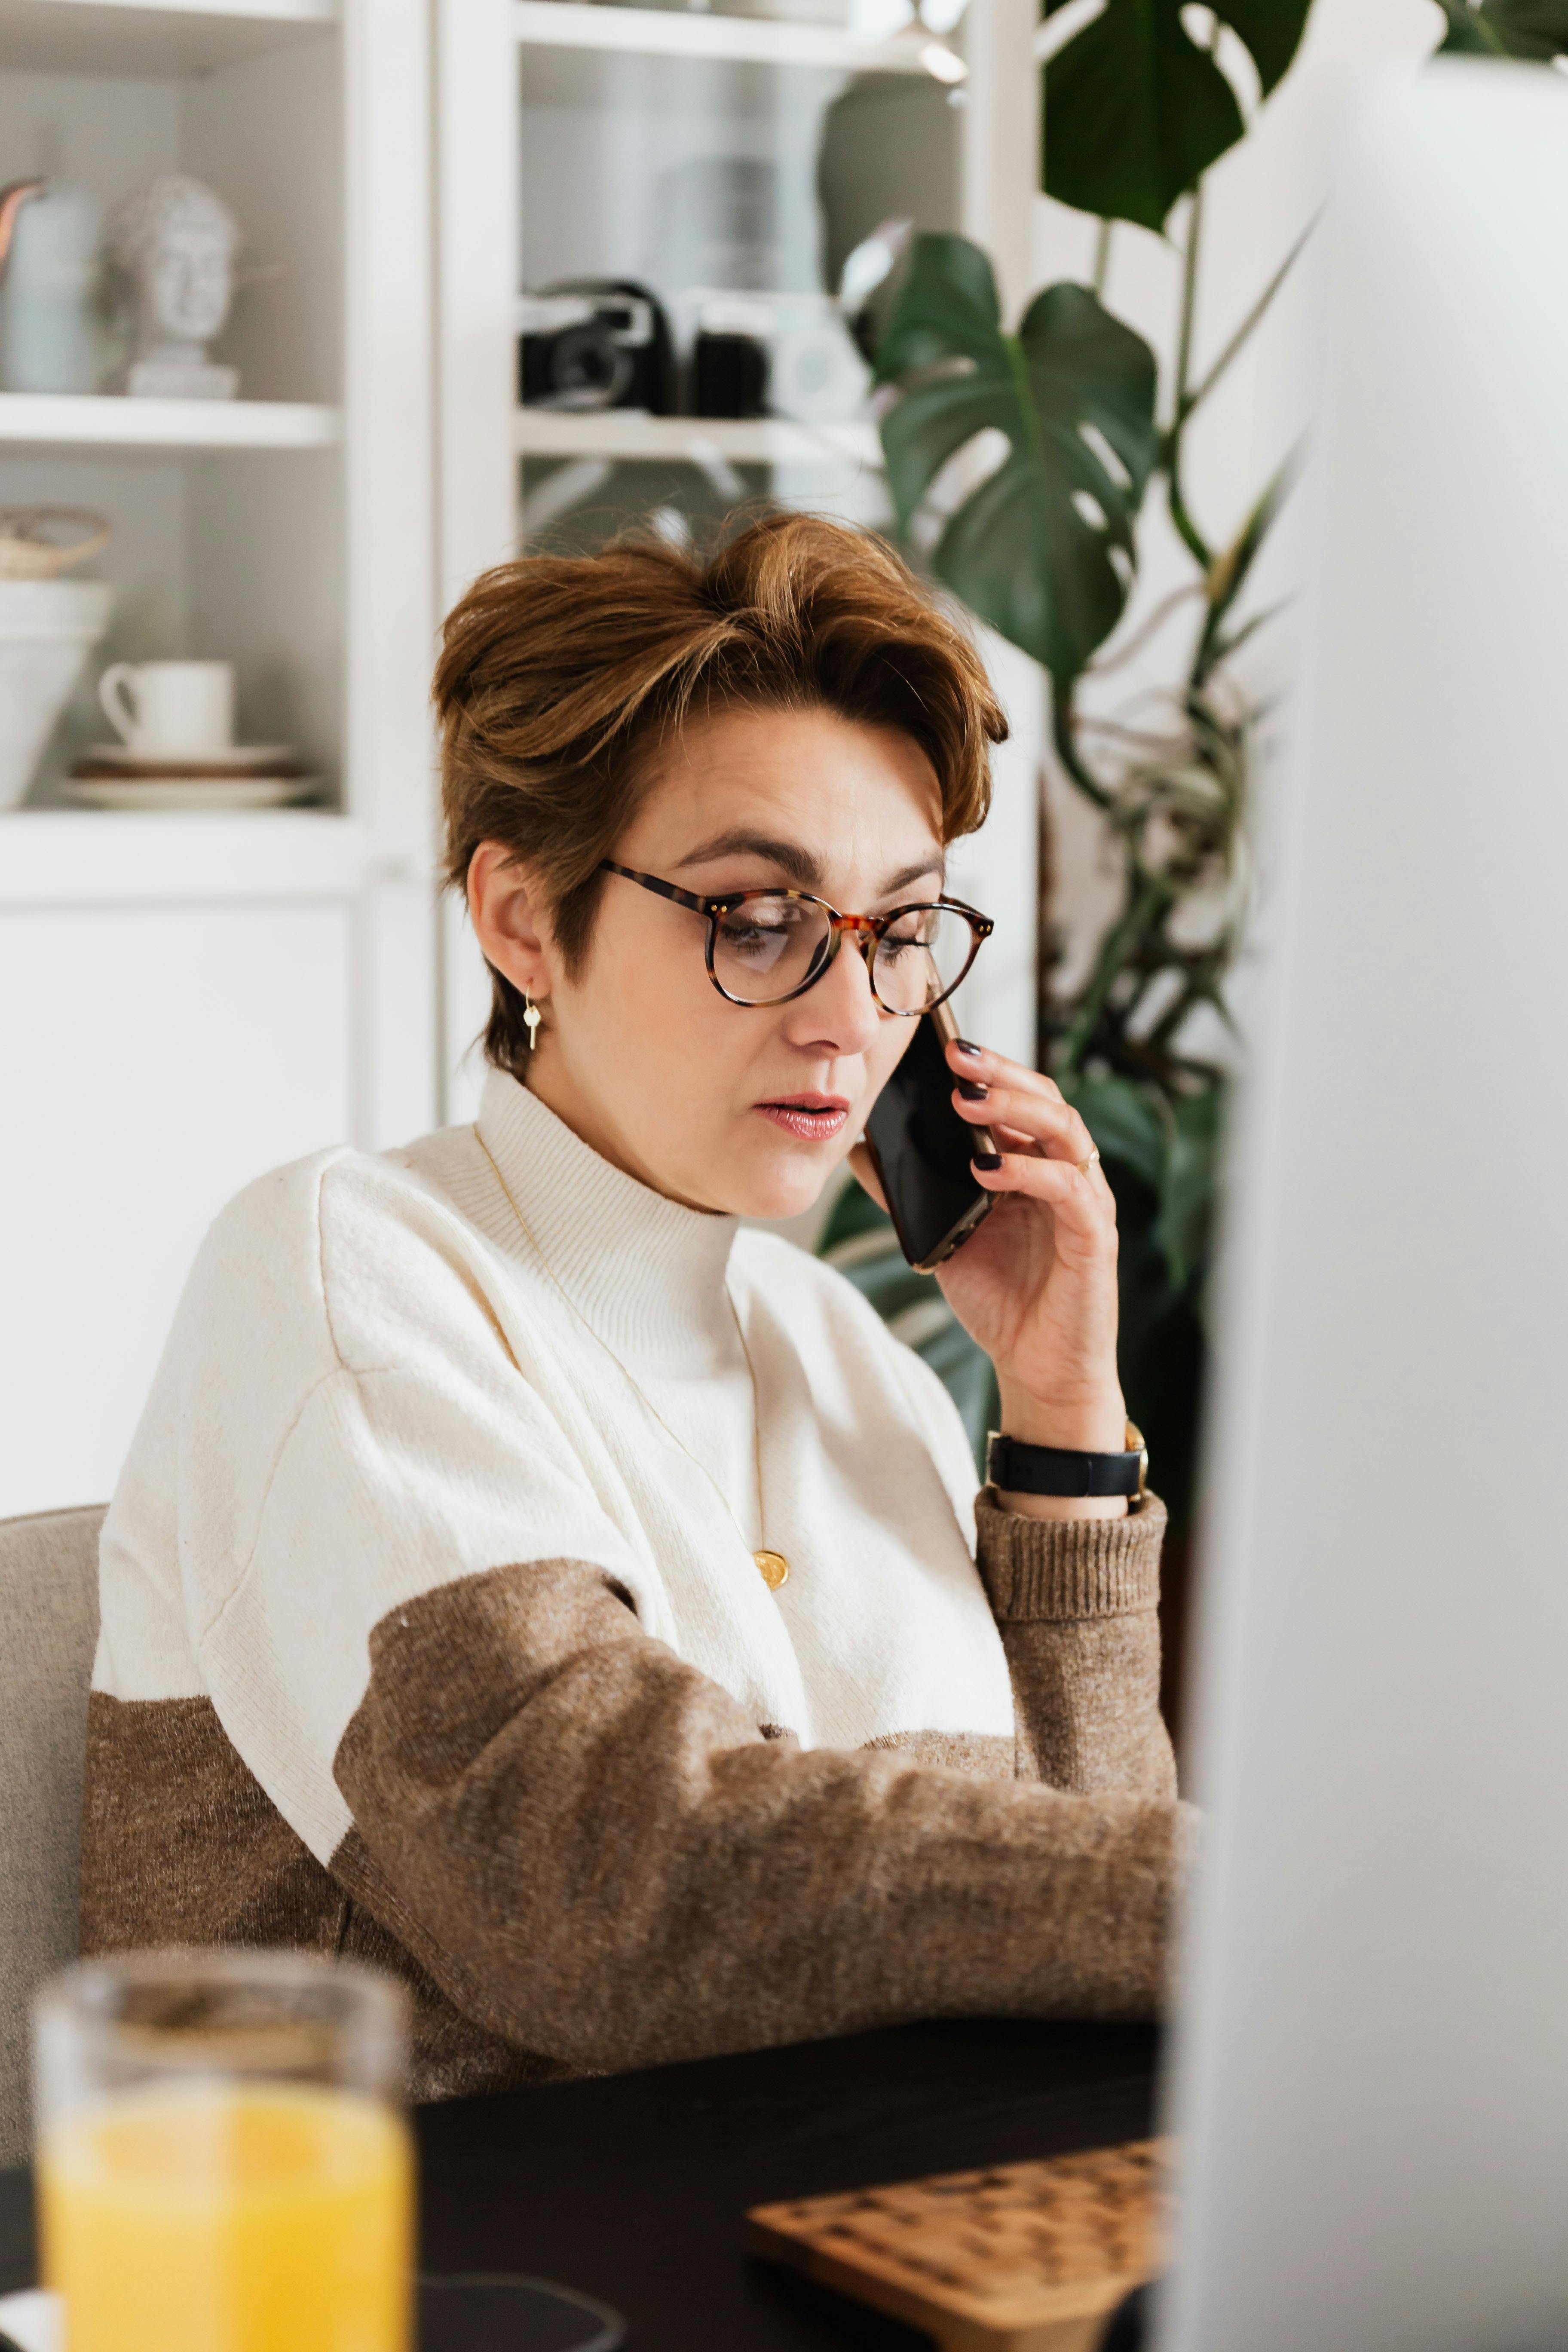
(223, 2163)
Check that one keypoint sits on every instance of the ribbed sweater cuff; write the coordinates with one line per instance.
(1069, 1568)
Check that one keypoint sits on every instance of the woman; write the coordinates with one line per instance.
(528, 1577)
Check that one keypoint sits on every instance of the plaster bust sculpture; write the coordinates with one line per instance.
(174, 243)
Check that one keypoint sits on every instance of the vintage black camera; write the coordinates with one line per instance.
(595, 342)
(774, 355)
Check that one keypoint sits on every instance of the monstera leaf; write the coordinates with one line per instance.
(1187, 1189)
(1126, 1121)
(1032, 549)
(1136, 110)
(1535, 29)
(1171, 1147)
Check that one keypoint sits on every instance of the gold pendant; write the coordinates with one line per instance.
(773, 1567)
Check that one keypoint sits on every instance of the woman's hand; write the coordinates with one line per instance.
(1035, 1285)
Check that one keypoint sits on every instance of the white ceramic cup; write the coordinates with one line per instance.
(170, 706)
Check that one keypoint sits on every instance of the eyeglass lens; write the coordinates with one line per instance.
(767, 947)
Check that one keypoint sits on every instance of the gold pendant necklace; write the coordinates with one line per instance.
(772, 1566)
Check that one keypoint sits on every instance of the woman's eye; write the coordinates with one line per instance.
(754, 940)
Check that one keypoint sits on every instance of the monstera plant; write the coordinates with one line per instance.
(1022, 458)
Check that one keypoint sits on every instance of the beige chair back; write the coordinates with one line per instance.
(48, 1629)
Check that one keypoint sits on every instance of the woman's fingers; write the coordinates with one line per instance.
(1031, 1122)
(1083, 1206)
(1046, 1121)
(976, 1064)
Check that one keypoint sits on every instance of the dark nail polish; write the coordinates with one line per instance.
(972, 1090)
(964, 1047)
(988, 1160)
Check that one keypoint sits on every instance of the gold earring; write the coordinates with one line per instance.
(532, 1018)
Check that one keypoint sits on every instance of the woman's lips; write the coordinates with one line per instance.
(814, 1118)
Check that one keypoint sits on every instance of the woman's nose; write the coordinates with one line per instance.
(840, 1012)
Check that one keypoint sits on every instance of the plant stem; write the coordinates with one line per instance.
(1145, 630)
(1194, 992)
(1101, 258)
(1194, 398)
(1018, 369)
(1067, 752)
(1197, 544)
(1144, 911)
(1227, 574)
(1187, 324)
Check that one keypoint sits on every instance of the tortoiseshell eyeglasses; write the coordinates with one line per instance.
(766, 946)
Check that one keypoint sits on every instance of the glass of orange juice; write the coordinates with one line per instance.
(222, 2160)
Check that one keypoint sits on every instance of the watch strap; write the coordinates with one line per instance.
(1019, 1469)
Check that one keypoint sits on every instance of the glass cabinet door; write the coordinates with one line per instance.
(689, 344)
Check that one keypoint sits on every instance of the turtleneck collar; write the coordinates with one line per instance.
(646, 1274)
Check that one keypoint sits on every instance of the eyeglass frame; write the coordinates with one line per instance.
(872, 928)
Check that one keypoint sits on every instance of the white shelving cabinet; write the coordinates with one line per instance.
(584, 24)
(190, 999)
(555, 119)
(181, 37)
(72, 420)
(187, 1000)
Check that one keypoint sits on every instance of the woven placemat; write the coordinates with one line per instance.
(1020, 2258)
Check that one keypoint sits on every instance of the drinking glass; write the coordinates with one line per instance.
(223, 2161)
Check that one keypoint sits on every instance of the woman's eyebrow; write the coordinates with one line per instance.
(803, 869)
(916, 873)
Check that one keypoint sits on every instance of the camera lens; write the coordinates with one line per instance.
(587, 367)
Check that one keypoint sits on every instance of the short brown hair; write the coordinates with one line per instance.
(557, 673)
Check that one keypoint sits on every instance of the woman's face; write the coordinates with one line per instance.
(747, 1109)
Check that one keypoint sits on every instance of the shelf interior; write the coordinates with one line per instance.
(227, 516)
(696, 162)
(697, 172)
(120, 38)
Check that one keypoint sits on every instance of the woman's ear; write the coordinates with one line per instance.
(505, 909)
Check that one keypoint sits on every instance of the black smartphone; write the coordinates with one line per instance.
(922, 1149)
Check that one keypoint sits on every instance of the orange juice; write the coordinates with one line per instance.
(230, 2218)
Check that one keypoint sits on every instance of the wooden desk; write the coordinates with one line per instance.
(633, 2187)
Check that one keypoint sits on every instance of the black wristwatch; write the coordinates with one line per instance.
(1019, 1469)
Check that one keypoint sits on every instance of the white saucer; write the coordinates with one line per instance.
(190, 792)
(226, 760)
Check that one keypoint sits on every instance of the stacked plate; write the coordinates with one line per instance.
(244, 776)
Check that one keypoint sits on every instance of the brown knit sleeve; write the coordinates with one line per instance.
(1078, 1603)
(597, 1857)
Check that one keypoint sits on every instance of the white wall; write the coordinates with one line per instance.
(1257, 200)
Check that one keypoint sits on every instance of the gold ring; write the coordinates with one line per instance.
(1085, 1165)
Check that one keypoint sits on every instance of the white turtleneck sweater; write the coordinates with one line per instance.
(435, 1547)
